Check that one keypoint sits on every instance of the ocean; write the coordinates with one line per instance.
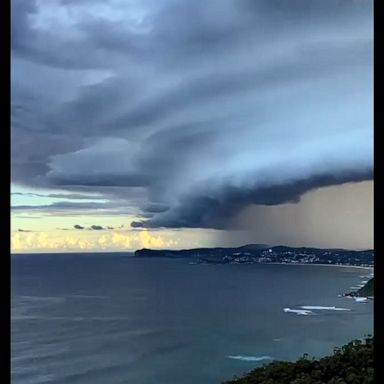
(112, 318)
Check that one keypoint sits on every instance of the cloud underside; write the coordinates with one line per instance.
(209, 211)
(186, 113)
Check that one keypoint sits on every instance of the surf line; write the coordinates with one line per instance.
(249, 358)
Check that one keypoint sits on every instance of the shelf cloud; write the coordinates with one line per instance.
(190, 111)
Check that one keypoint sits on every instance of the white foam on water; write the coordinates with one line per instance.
(361, 299)
(249, 358)
(319, 307)
(299, 311)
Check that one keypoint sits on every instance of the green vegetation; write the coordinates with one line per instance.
(367, 290)
(351, 364)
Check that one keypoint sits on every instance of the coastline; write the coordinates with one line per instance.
(326, 265)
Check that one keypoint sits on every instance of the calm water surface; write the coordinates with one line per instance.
(114, 319)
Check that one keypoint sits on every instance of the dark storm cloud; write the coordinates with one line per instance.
(20, 26)
(308, 64)
(192, 110)
(211, 211)
(155, 208)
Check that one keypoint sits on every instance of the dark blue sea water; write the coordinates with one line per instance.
(108, 318)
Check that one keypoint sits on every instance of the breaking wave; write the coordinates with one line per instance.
(303, 312)
(361, 299)
(319, 307)
(249, 358)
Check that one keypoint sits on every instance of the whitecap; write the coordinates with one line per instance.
(299, 311)
(361, 299)
(319, 307)
(249, 358)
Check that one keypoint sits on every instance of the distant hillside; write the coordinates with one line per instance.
(353, 363)
(195, 252)
(262, 253)
(367, 290)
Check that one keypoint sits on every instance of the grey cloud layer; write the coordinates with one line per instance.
(192, 110)
(70, 196)
(69, 208)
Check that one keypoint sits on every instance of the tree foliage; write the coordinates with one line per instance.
(367, 290)
(350, 364)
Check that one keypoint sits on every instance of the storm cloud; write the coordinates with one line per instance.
(190, 111)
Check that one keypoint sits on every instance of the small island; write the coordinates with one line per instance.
(353, 363)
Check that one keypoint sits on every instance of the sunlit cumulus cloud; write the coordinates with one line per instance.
(47, 241)
(187, 112)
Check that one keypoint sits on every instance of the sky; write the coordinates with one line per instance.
(179, 124)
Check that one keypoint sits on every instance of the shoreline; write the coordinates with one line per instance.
(325, 265)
